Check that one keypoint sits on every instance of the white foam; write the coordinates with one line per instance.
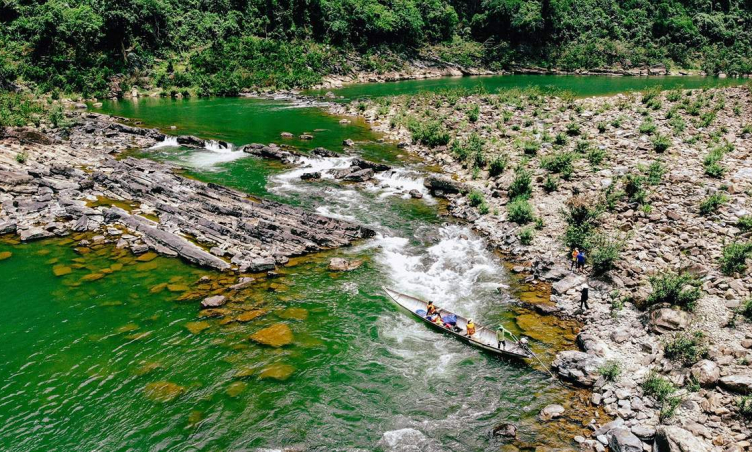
(168, 142)
(290, 181)
(399, 182)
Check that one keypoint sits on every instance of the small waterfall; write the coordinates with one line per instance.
(168, 142)
(399, 182)
(217, 146)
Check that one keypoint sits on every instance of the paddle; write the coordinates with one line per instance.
(536, 358)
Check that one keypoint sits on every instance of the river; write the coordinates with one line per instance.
(121, 363)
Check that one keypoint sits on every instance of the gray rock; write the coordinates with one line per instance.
(311, 176)
(213, 302)
(415, 194)
(360, 175)
(667, 320)
(551, 412)
(706, 372)
(578, 366)
(622, 440)
(569, 282)
(342, 265)
(644, 432)
(741, 383)
(444, 185)
(669, 438)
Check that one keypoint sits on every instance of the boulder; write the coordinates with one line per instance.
(578, 366)
(741, 383)
(444, 185)
(706, 372)
(323, 152)
(667, 320)
(343, 265)
(348, 142)
(567, 283)
(286, 135)
(551, 412)
(415, 194)
(378, 167)
(622, 440)
(670, 438)
(214, 302)
(506, 430)
(311, 176)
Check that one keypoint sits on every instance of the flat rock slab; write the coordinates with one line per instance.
(213, 302)
(741, 383)
(274, 336)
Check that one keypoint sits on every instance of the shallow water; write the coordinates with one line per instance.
(106, 357)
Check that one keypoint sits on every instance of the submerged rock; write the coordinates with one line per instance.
(61, 270)
(274, 336)
(163, 391)
(236, 388)
(551, 412)
(250, 315)
(197, 327)
(5, 255)
(342, 265)
(279, 372)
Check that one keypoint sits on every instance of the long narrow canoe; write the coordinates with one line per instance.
(483, 338)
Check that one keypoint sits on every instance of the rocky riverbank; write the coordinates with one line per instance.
(54, 181)
(657, 189)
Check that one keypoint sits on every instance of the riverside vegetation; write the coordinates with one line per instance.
(221, 48)
(667, 342)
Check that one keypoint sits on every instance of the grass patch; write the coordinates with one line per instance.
(520, 211)
(734, 258)
(712, 203)
(611, 370)
(686, 348)
(675, 289)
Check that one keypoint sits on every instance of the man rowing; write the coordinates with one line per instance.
(501, 336)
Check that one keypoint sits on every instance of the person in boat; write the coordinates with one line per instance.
(501, 336)
(430, 309)
(470, 328)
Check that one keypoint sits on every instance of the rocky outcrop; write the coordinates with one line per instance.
(579, 367)
(668, 320)
(206, 224)
(441, 186)
(741, 383)
(675, 439)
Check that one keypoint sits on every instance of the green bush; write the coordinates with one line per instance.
(633, 187)
(530, 147)
(475, 198)
(521, 185)
(712, 203)
(460, 150)
(550, 185)
(744, 223)
(734, 258)
(560, 139)
(675, 289)
(661, 143)
(657, 387)
(605, 252)
(686, 348)
(519, 211)
(711, 163)
(17, 110)
(744, 404)
(601, 126)
(610, 370)
(656, 170)
(647, 127)
(573, 129)
(596, 156)
(430, 133)
(526, 236)
(498, 165)
(473, 113)
(560, 162)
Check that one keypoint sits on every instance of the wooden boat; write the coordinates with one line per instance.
(483, 338)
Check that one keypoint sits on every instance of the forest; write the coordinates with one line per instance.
(219, 47)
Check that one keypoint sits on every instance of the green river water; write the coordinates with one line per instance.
(117, 362)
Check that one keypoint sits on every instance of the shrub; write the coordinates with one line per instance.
(677, 123)
(744, 403)
(573, 129)
(483, 208)
(744, 223)
(459, 150)
(655, 172)
(498, 165)
(582, 147)
(473, 113)
(661, 143)
(676, 289)
(686, 348)
(647, 127)
(560, 162)
(519, 211)
(521, 184)
(711, 163)
(747, 129)
(605, 252)
(633, 187)
(22, 157)
(431, 133)
(601, 126)
(560, 139)
(712, 203)
(526, 236)
(734, 258)
(475, 198)
(610, 370)
(657, 387)
(550, 185)
(596, 156)
(530, 147)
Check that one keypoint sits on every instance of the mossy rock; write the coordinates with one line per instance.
(279, 372)
(5, 255)
(163, 391)
(294, 313)
(147, 257)
(274, 336)
(61, 270)
(250, 315)
(93, 277)
(197, 327)
(158, 288)
(177, 288)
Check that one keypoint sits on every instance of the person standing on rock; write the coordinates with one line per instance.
(581, 261)
(575, 253)
(584, 295)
